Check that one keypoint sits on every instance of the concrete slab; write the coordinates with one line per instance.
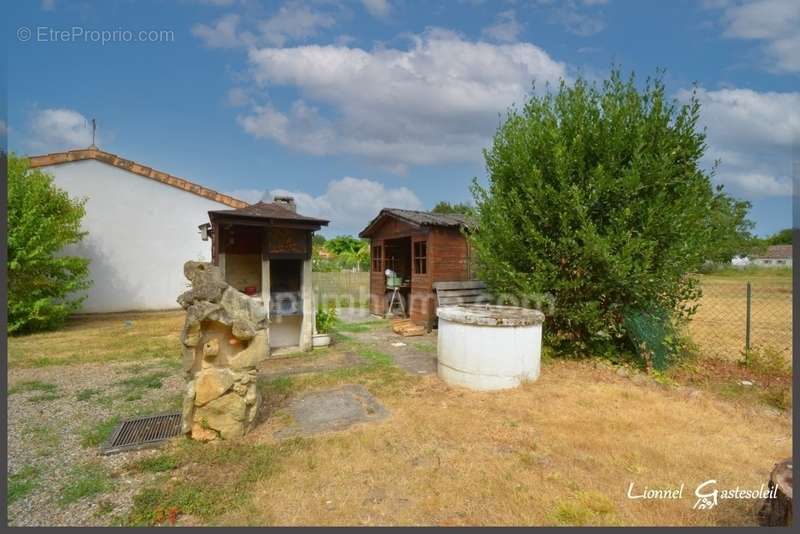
(331, 410)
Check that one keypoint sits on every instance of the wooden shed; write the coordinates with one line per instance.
(264, 250)
(422, 248)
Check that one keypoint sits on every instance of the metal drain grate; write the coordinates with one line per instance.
(143, 432)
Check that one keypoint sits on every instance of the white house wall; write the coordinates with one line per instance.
(140, 233)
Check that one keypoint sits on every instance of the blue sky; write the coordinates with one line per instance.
(356, 105)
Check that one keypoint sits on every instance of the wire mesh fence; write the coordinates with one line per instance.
(734, 316)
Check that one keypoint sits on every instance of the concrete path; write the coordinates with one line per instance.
(416, 354)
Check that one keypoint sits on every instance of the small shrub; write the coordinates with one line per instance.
(326, 319)
(767, 361)
(44, 285)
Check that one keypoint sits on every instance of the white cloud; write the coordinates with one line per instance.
(581, 17)
(295, 22)
(292, 22)
(436, 101)
(752, 134)
(237, 97)
(578, 21)
(3, 128)
(54, 130)
(377, 8)
(505, 29)
(224, 33)
(348, 203)
(775, 22)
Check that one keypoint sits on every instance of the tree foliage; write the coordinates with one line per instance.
(781, 237)
(732, 228)
(457, 207)
(596, 198)
(344, 252)
(43, 283)
(317, 240)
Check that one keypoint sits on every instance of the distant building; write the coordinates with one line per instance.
(740, 261)
(775, 256)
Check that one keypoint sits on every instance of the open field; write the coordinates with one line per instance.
(719, 325)
(560, 451)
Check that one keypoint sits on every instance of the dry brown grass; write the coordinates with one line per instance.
(718, 328)
(562, 450)
(101, 338)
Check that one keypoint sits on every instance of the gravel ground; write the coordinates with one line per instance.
(46, 435)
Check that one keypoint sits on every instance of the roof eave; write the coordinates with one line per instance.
(385, 212)
(71, 156)
(226, 214)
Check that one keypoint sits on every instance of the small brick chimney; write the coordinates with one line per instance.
(287, 202)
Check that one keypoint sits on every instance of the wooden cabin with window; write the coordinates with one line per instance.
(264, 251)
(419, 248)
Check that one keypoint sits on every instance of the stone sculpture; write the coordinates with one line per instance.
(223, 340)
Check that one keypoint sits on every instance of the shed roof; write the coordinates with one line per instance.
(268, 212)
(94, 153)
(776, 252)
(417, 218)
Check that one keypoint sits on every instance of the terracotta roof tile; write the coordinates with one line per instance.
(58, 158)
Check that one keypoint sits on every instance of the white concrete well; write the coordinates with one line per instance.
(486, 347)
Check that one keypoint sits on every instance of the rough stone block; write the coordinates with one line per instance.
(211, 384)
(255, 353)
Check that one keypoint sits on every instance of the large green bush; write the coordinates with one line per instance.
(596, 198)
(44, 285)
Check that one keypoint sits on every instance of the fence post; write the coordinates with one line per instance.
(747, 325)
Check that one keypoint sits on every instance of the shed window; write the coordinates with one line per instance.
(376, 259)
(420, 257)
